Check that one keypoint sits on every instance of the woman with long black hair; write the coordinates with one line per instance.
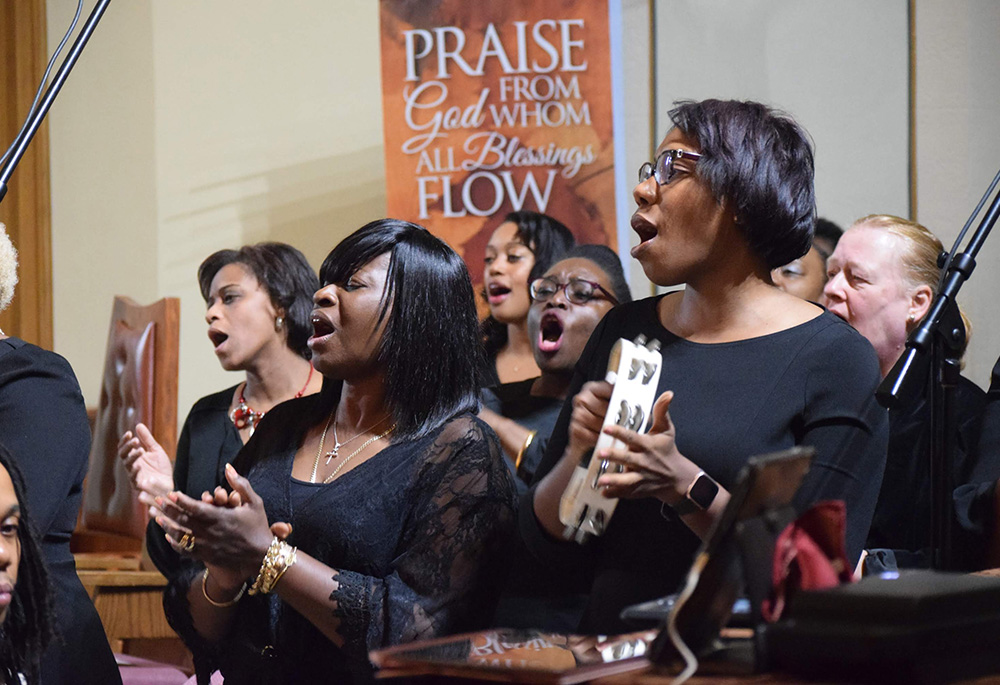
(374, 513)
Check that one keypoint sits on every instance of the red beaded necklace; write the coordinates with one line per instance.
(244, 416)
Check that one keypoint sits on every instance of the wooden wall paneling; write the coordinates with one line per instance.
(26, 210)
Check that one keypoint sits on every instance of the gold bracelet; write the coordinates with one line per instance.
(221, 605)
(279, 558)
(524, 448)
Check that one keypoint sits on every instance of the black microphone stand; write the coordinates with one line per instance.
(932, 358)
(21, 144)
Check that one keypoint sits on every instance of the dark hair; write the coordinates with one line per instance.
(548, 239)
(828, 233)
(607, 259)
(760, 161)
(430, 347)
(29, 623)
(284, 274)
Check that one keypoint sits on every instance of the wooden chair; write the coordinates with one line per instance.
(139, 385)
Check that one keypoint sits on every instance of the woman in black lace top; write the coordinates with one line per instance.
(393, 492)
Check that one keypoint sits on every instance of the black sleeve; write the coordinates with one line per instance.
(160, 552)
(975, 500)
(43, 423)
(453, 553)
(849, 430)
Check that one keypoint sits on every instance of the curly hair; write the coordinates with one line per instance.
(8, 268)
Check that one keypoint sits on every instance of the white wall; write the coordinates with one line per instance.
(958, 147)
(199, 126)
(192, 126)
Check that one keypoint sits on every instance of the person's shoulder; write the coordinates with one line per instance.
(217, 401)
(26, 359)
(833, 348)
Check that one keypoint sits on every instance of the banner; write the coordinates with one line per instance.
(493, 107)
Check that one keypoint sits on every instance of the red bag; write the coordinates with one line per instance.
(810, 554)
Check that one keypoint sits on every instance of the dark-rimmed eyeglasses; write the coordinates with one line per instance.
(577, 291)
(663, 169)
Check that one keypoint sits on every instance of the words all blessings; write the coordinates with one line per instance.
(532, 92)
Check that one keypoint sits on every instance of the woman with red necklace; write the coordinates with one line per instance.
(259, 300)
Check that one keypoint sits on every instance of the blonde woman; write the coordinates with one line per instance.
(883, 277)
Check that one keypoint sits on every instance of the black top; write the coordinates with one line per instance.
(515, 401)
(419, 535)
(208, 442)
(975, 500)
(902, 520)
(43, 423)
(812, 384)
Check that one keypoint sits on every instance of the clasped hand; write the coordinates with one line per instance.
(653, 466)
(229, 530)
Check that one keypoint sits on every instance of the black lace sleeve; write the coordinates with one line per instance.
(450, 561)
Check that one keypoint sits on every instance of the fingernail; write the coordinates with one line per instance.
(159, 500)
(172, 496)
(159, 521)
(229, 468)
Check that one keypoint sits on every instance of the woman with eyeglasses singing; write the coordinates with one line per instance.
(747, 368)
(566, 305)
(519, 251)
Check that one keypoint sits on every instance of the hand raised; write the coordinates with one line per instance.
(147, 463)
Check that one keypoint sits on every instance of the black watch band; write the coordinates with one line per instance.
(699, 496)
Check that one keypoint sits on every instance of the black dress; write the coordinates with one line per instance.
(43, 422)
(515, 401)
(811, 384)
(902, 520)
(208, 442)
(418, 534)
(975, 505)
(532, 596)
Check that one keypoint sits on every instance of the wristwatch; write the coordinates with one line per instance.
(699, 496)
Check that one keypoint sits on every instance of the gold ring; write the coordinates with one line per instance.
(186, 542)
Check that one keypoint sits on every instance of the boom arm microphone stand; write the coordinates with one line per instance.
(21, 144)
(932, 353)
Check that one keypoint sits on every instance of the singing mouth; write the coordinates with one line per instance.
(550, 332)
(321, 326)
(643, 228)
(217, 337)
(495, 292)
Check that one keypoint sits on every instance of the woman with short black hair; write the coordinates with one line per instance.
(747, 369)
(392, 491)
(258, 303)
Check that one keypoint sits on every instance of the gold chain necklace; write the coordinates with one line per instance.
(322, 440)
(337, 444)
(353, 454)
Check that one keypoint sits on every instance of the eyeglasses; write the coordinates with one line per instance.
(663, 168)
(577, 291)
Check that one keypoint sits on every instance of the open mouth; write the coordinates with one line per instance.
(645, 230)
(217, 337)
(550, 333)
(321, 327)
(496, 293)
